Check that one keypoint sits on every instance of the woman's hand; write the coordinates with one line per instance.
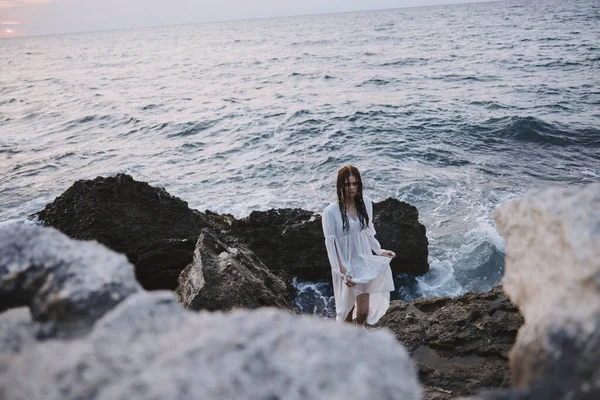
(389, 254)
(348, 280)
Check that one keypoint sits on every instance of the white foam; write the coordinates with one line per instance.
(312, 300)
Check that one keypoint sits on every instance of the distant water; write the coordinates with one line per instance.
(454, 109)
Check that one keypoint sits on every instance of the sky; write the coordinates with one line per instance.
(42, 17)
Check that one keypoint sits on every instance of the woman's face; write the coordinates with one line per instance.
(351, 187)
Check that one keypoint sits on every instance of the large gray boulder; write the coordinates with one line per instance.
(17, 332)
(66, 283)
(553, 275)
(149, 348)
(146, 346)
(223, 277)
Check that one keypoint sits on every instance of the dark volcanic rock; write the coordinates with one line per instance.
(460, 345)
(128, 216)
(121, 213)
(223, 277)
(291, 240)
(398, 229)
(288, 241)
(160, 264)
(151, 227)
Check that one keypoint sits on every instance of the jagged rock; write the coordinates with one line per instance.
(150, 226)
(460, 344)
(159, 265)
(138, 220)
(148, 347)
(65, 283)
(398, 229)
(222, 277)
(123, 214)
(290, 241)
(552, 240)
(145, 223)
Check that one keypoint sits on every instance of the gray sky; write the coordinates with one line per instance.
(39, 17)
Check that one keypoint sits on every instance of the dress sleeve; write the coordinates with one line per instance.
(370, 230)
(329, 231)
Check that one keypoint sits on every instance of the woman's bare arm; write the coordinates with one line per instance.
(347, 278)
(342, 269)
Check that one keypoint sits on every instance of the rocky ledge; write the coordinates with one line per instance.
(158, 232)
(133, 343)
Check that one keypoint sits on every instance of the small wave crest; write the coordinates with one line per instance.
(190, 128)
(315, 298)
(534, 130)
(375, 82)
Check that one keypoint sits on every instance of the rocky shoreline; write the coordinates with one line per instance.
(158, 232)
(210, 262)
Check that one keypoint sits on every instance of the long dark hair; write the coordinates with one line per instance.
(343, 179)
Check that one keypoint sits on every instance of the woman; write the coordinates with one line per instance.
(362, 282)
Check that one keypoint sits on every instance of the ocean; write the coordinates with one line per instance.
(454, 109)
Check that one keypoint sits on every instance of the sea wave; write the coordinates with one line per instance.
(535, 130)
(454, 109)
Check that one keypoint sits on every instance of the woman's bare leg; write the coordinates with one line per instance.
(349, 316)
(362, 308)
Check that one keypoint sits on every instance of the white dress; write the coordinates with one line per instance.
(355, 246)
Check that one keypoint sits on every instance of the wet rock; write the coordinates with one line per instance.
(123, 214)
(150, 227)
(398, 229)
(222, 277)
(460, 344)
(159, 265)
(552, 240)
(290, 241)
(65, 283)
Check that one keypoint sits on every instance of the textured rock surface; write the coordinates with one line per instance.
(398, 229)
(68, 283)
(148, 347)
(123, 214)
(223, 277)
(460, 344)
(553, 275)
(159, 265)
(291, 240)
(150, 226)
